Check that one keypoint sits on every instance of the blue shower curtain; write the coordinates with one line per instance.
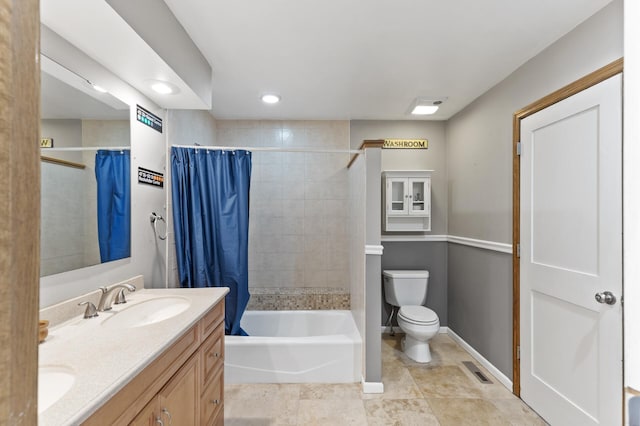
(113, 178)
(210, 193)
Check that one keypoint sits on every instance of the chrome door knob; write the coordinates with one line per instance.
(606, 297)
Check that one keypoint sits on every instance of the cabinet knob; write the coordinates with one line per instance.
(214, 354)
(215, 401)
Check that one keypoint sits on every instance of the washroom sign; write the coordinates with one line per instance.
(405, 144)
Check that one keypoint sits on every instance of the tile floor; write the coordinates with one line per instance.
(442, 392)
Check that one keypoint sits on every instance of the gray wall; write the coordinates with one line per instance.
(431, 256)
(479, 137)
(479, 167)
(480, 301)
(373, 274)
(433, 158)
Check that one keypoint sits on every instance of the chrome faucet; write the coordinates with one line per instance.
(106, 299)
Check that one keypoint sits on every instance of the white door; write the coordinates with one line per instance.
(571, 250)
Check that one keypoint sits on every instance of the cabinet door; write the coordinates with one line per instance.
(147, 417)
(397, 196)
(178, 400)
(419, 196)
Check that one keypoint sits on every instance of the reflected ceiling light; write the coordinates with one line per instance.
(422, 106)
(163, 87)
(98, 88)
(270, 98)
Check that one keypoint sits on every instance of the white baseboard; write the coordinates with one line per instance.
(482, 360)
(396, 329)
(372, 387)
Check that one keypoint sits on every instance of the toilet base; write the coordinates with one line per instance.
(416, 350)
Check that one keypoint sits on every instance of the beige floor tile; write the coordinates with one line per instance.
(467, 412)
(518, 413)
(261, 391)
(267, 411)
(398, 383)
(444, 382)
(447, 351)
(347, 412)
(399, 412)
(493, 390)
(441, 392)
(331, 391)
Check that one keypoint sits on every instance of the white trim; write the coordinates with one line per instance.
(482, 360)
(406, 238)
(488, 245)
(471, 242)
(372, 387)
(373, 249)
(396, 329)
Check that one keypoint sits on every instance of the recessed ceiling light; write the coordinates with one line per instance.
(424, 109)
(425, 106)
(270, 99)
(163, 87)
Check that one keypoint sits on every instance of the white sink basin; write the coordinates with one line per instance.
(53, 383)
(148, 312)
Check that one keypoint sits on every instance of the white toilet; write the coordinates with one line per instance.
(408, 290)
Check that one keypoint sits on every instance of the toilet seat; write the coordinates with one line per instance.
(418, 315)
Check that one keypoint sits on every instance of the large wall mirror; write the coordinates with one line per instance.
(85, 173)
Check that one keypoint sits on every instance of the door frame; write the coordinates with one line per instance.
(613, 68)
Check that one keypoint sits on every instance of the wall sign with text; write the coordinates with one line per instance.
(150, 177)
(405, 144)
(148, 118)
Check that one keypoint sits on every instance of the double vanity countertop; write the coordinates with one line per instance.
(94, 358)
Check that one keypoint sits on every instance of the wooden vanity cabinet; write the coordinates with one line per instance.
(183, 386)
(176, 403)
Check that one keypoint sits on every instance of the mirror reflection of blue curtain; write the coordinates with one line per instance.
(210, 193)
(113, 179)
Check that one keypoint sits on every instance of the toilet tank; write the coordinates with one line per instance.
(405, 287)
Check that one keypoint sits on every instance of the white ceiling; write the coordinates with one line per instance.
(330, 59)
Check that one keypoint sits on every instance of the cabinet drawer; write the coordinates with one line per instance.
(211, 402)
(212, 319)
(212, 354)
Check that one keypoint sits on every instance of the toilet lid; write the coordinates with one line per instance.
(418, 314)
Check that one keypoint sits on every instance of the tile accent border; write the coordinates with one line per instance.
(289, 299)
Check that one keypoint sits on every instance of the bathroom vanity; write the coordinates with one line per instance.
(156, 360)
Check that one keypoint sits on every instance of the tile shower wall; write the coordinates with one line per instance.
(299, 209)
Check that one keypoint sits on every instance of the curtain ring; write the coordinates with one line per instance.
(154, 220)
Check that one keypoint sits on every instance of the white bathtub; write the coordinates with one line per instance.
(295, 347)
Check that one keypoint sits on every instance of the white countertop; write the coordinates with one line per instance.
(104, 359)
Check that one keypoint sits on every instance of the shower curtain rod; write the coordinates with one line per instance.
(273, 149)
(87, 148)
